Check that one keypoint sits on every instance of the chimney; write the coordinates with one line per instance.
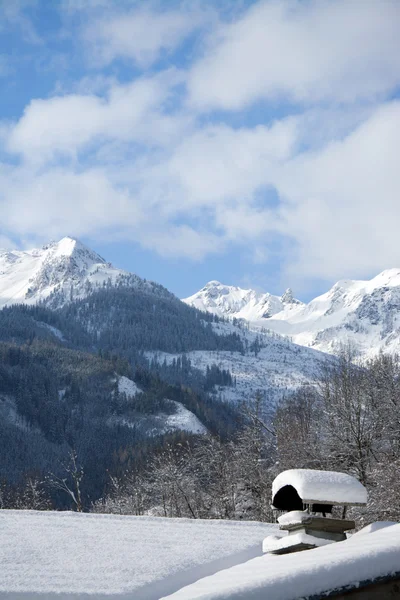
(307, 496)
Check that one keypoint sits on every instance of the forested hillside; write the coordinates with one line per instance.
(60, 374)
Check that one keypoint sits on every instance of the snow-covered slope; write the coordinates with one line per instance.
(228, 300)
(278, 367)
(365, 314)
(68, 270)
(183, 420)
(128, 387)
(57, 273)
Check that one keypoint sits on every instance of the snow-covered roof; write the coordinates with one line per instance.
(342, 565)
(69, 555)
(47, 555)
(322, 487)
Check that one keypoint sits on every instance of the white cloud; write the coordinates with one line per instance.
(141, 35)
(135, 160)
(65, 125)
(60, 201)
(306, 52)
(341, 203)
(14, 15)
(180, 241)
(337, 201)
(6, 243)
(219, 163)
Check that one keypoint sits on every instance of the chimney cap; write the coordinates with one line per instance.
(296, 487)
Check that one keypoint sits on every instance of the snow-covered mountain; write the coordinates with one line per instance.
(228, 300)
(56, 273)
(279, 367)
(365, 314)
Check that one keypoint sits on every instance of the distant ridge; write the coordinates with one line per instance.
(364, 314)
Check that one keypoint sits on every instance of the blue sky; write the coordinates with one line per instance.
(254, 142)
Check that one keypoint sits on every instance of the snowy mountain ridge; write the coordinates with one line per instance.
(228, 300)
(56, 273)
(364, 314)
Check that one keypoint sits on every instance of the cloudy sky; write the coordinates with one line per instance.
(253, 142)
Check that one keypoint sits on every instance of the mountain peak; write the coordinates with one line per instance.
(287, 297)
(55, 269)
(389, 277)
(233, 301)
(74, 248)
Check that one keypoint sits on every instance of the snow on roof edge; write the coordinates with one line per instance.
(311, 574)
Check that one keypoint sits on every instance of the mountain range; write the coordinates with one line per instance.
(364, 314)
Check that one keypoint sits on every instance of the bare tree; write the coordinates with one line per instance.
(171, 472)
(71, 484)
(127, 496)
(33, 496)
(350, 418)
(297, 424)
(3, 495)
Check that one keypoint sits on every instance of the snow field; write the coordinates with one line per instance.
(32, 275)
(183, 420)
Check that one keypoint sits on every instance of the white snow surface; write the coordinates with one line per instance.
(273, 542)
(160, 423)
(293, 517)
(56, 332)
(127, 386)
(183, 420)
(322, 486)
(280, 365)
(299, 575)
(48, 555)
(372, 527)
(363, 313)
(228, 300)
(67, 268)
